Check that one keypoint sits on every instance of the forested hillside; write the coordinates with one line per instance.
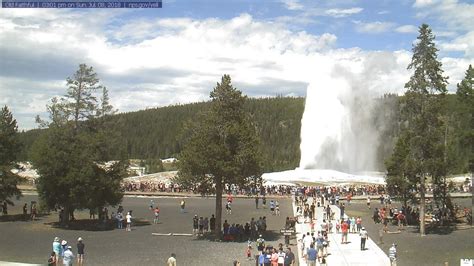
(155, 133)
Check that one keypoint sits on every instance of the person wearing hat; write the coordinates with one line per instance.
(260, 243)
(68, 256)
(363, 237)
(63, 248)
(80, 251)
(57, 248)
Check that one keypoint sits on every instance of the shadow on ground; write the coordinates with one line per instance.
(95, 225)
(268, 236)
(19, 218)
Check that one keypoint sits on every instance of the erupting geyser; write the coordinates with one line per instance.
(338, 137)
(336, 129)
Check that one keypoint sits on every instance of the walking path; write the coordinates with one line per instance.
(340, 254)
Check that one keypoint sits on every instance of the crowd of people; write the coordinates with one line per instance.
(63, 253)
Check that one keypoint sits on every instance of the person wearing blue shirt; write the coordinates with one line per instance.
(312, 255)
(261, 259)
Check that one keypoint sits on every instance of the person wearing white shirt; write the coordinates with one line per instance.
(129, 221)
(68, 256)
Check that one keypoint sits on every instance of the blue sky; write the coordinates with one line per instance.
(156, 57)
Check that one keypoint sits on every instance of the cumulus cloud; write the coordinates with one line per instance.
(339, 13)
(161, 61)
(406, 29)
(373, 27)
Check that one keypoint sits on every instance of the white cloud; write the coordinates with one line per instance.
(175, 60)
(339, 13)
(406, 29)
(293, 4)
(423, 3)
(373, 27)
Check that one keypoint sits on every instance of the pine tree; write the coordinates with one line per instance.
(465, 117)
(221, 147)
(423, 118)
(70, 156)
(9, 148)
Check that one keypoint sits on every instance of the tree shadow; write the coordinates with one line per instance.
(19, 218)
(435, 229)
(268, 236)
(96, 225)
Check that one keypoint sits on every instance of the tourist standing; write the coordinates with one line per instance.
(363, 237)
(80, 251)
(392, 254)
(5, 208)
(272, 207)
(57, 248)
(182, 205)
(129, 221)
(264, 202)
(344, 229)
(172, 260)
(289, 257)
(212, 222)
(25, 211)
(68, 257)
(157, 215)
(119, 218)
(52, 259)
(277, 208)
(359, 224)
(195, 224)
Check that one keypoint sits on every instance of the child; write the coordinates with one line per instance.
(249, 252)
(52, 259)
(157, 215)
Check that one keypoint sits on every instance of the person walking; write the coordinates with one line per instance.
(80, 251)
(68, 256)
(311, 255)
(172, 260)
(256, 202)
(392, 254)
(363, 237)
(368, 202)
(195, 225)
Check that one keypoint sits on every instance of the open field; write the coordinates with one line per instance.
(31, 242)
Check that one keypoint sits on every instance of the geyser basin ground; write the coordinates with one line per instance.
(320, 176)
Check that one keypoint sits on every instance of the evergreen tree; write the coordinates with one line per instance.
(69, 156)
(221, 147)
(465, 118)
(423, 120)
(9, 148)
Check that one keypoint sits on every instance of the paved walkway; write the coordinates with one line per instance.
(341, 254)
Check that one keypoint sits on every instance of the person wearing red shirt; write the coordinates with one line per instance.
(344, 229)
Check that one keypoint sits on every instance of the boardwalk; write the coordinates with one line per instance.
(342, 254)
